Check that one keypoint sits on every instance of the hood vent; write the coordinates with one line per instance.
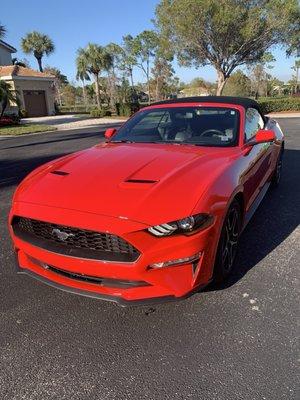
(140, 181)
(60, 173)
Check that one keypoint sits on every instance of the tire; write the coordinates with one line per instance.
(277, 173)
(228, 243)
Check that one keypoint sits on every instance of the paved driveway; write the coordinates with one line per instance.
(238, 342)
(75, 121)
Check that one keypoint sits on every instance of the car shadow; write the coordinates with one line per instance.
(56, 138)
(13, 171)
(276, 218)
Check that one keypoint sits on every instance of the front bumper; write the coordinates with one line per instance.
(148, 285)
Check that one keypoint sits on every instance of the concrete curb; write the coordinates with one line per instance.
(101, 126)
(284, 115)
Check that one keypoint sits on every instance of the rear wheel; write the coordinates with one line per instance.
(277, 173)
(228, 243)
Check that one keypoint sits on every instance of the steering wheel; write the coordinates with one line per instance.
(211, 132)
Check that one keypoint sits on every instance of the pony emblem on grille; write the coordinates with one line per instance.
(61, 235)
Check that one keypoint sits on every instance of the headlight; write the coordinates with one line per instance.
(187, 226)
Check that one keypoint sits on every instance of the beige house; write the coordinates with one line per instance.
(35, 89)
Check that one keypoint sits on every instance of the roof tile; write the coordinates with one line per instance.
(16, 70)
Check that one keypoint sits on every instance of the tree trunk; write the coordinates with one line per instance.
(221, 82)
(148, 80)
(97, 90)
(112, 86)
(39, 60)
(58, 94)
(157, 91)
(3, 105)
(84, 92)
(131, 79)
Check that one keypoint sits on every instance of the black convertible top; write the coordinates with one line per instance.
(242, 101)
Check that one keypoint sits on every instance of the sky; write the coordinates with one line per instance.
(72, 24)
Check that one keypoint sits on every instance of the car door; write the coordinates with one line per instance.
(258, 157)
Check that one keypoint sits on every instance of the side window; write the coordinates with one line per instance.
(253, 123)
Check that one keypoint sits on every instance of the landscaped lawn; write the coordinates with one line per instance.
(24, 129)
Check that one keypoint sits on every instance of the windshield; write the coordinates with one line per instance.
(203, 126)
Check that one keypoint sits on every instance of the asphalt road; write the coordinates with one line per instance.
(235, 342)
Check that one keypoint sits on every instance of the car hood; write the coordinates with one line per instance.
(149, 183)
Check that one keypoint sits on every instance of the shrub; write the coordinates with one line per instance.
(8, 121)
(106, 113)
(97, 113)
(269, 105)
(23, 113)
(127, 109)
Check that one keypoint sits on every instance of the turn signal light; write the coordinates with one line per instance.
(178, 261)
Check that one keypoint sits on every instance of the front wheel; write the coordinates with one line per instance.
(228, 243)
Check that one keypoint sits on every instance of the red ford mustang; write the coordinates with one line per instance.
(155, 212)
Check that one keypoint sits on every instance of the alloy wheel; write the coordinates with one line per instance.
(230, 239)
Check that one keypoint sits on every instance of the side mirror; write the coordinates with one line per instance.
(109, 132)
(262, 136)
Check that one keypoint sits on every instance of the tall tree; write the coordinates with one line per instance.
(238, 85)
(2, 31)
(38, 44)
(259, 75)
(128, 57)
(97, 61)
(144, 48)
(224, 33)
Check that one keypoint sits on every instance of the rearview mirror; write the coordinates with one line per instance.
(110, 132)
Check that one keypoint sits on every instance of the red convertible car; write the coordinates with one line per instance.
(154, 213)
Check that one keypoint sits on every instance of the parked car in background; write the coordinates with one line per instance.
(155, 213)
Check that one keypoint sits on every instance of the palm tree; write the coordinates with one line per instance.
(60, 81)
(82, 74)
(38, 44)
(97, 59)
(2, 31)
(6, 96)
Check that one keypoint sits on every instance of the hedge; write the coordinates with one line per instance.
(79, 109)
(97, 113)
(269, 105)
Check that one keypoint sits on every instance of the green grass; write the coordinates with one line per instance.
(25, 129)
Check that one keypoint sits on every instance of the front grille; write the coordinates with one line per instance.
(107, 282)
(74, 242)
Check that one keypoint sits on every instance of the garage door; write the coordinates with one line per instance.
(35, 103)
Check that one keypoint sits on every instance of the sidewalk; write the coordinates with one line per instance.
(286, 114)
